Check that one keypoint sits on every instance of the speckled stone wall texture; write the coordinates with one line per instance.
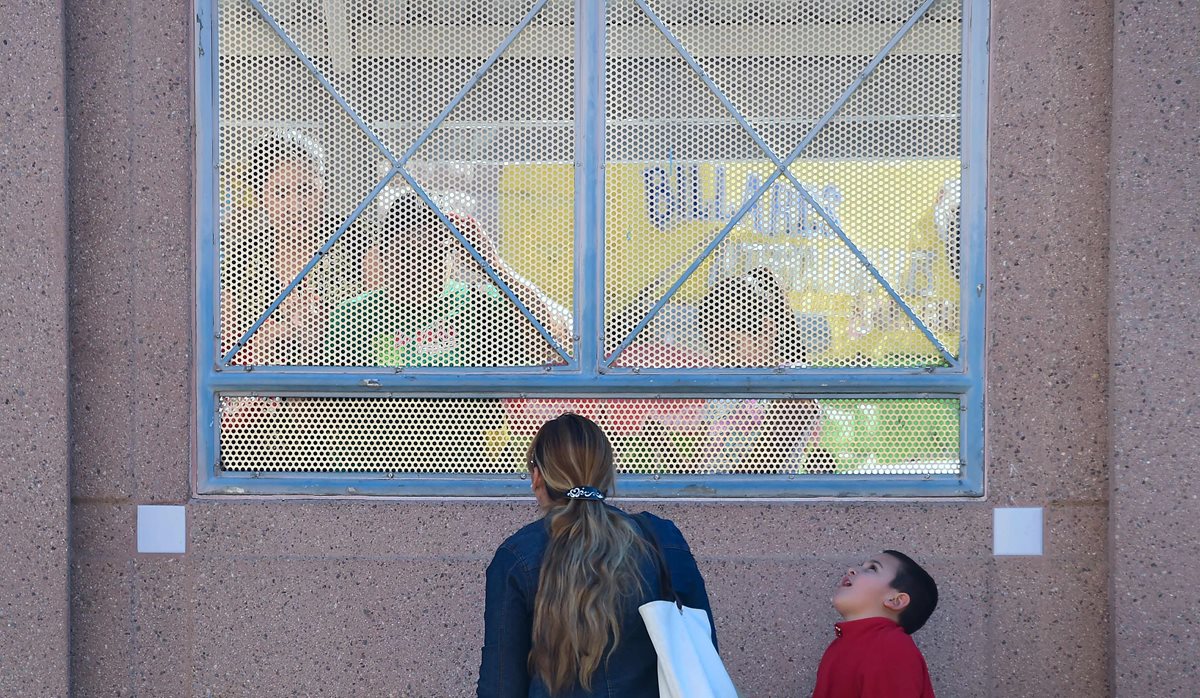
(34, 420)
(1155, 328)
(385, 597)
(129, 73)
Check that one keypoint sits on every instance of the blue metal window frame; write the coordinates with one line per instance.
(586, 372)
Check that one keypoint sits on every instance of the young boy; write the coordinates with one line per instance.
(882, 602)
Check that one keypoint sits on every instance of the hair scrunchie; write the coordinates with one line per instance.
(585, 492)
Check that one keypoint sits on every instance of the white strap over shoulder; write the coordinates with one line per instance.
(688, 663)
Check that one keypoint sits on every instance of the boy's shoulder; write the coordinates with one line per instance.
(875, 654)
(900, 644)
(887, 635)
(363, 301)
(894, 665)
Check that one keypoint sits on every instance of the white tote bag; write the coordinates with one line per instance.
(688, 663)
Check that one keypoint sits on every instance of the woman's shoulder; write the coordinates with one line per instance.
(528, 541)
(669, 535)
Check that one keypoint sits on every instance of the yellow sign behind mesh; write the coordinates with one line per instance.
(659, 216)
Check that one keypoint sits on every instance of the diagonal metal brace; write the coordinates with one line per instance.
(312, 263)
(491, 273)
(833, 224)
(396, 163)
(782, 169)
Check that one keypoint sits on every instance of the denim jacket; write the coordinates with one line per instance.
(631, 671)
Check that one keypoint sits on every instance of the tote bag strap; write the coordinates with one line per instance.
(664, 573)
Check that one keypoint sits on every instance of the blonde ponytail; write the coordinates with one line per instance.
(591, 564)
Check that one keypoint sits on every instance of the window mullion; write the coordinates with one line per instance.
(589, 183)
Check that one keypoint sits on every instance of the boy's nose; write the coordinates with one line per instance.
(851, 572)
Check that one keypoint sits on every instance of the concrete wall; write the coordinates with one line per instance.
(129, 80)
(34, 417)
(1155, 423)
(384, 597)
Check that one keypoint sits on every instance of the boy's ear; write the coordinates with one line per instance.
(896, 601)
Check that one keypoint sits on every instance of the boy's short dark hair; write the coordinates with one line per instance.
(408, 216)
(409, 212)
(922, 592)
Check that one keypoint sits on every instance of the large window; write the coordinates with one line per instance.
(745, 236)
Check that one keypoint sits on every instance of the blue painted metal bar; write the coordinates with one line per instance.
(316, 259)
(553, 382)
(971, 437)
(320, 77)
(208, 444)
(833, 110)
(208, 205)
(467, 381)
(629, 486)
(762, 144)
(590, 134)
(973, 184)
(491, 273)
(470, 84)
(973, 222)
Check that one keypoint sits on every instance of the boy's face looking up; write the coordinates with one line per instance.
(866, 591)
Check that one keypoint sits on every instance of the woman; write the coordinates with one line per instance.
(267, 246)
(747, 322)
(561, 616)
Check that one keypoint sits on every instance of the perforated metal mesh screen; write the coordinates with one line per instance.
(782, 288)
(372, 153)
(397, 288)
(667, 436)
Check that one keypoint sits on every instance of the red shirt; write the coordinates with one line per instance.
(872, 658)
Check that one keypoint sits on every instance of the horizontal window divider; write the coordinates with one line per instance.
(629, 486)
(498, 384)
(607, 395)
(387, 41)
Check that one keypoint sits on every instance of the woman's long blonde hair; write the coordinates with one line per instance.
(591, 564)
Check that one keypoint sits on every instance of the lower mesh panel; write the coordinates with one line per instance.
(659, 436)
